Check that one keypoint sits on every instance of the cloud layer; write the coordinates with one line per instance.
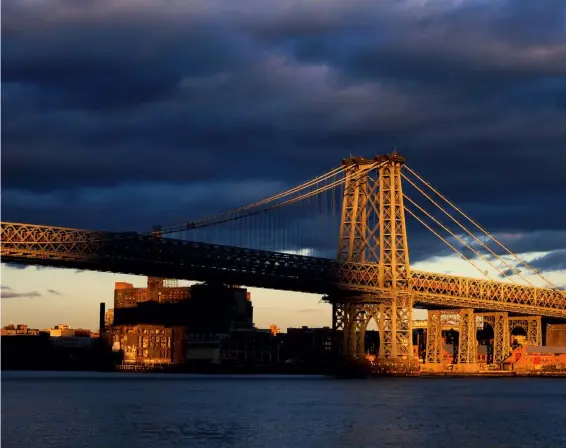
(119, 114)
(14, 295)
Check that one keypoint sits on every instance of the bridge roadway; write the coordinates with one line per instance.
(137, 254)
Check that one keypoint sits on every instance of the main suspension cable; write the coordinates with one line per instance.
(451, 233)
(188, 225)
(408, 210)
(469, 233)
(272, 207)
(523, 262)
(225, 217)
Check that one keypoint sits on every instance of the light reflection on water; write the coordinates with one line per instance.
(57, 409)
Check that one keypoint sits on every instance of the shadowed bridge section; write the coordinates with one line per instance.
(153, 256)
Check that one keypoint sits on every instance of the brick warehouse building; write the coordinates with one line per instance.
(157, 325)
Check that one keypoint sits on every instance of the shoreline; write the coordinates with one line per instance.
(333, 373)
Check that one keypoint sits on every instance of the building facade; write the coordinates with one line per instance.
(529, 358)
(168, 324)
(150, 344)
(19, 330)
(556, 335)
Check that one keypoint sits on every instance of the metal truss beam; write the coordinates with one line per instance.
(169, 258)
(473, 292)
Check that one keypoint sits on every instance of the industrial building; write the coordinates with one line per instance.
(556, 335)
(167, 324)
(150, 344)
(157, 290)
(528, 358)
(244, 348)
(308, 345)
(19, 330)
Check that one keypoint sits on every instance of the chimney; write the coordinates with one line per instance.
(101, 317)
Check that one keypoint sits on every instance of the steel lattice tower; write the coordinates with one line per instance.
(373, 231)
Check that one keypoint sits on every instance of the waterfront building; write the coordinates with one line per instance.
(529, 358)
(150, 344)
(19, 330)
(556, 335)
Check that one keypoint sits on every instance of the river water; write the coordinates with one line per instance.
(59, 409)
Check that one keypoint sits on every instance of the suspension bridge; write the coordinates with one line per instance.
(282, 242)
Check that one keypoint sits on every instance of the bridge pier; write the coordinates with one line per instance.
(394, 321)
(467, 344)
(396, 329)
(532, 326)
(352, 320)
(433, 361)
(499, 322)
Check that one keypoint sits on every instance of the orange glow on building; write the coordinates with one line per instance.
(537, 357)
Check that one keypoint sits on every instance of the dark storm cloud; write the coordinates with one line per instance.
(15, 295)
(23, 266)
(552, 260)
(16, 266)
(121, 115)
(54, 292)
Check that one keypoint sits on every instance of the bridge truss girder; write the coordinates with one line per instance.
(146, 255)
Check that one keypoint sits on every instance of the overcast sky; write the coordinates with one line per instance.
(120, 114)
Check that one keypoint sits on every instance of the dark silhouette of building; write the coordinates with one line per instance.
(204, 322)
(308, 345)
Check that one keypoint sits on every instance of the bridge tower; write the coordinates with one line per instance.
(373, 232)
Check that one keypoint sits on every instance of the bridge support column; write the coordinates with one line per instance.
(338, 327)
(499, 322)
(433, 361)
(396, 335)
(532, 325)
(396, 328)
(534, 331)
(467, 347)
(352, 320)
(356, 333)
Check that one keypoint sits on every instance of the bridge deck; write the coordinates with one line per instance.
(145, 255)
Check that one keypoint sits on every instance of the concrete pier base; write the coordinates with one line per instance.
(432, 368)
(397, 366)
(467, 368)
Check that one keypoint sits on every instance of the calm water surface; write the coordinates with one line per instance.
(56, 409)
